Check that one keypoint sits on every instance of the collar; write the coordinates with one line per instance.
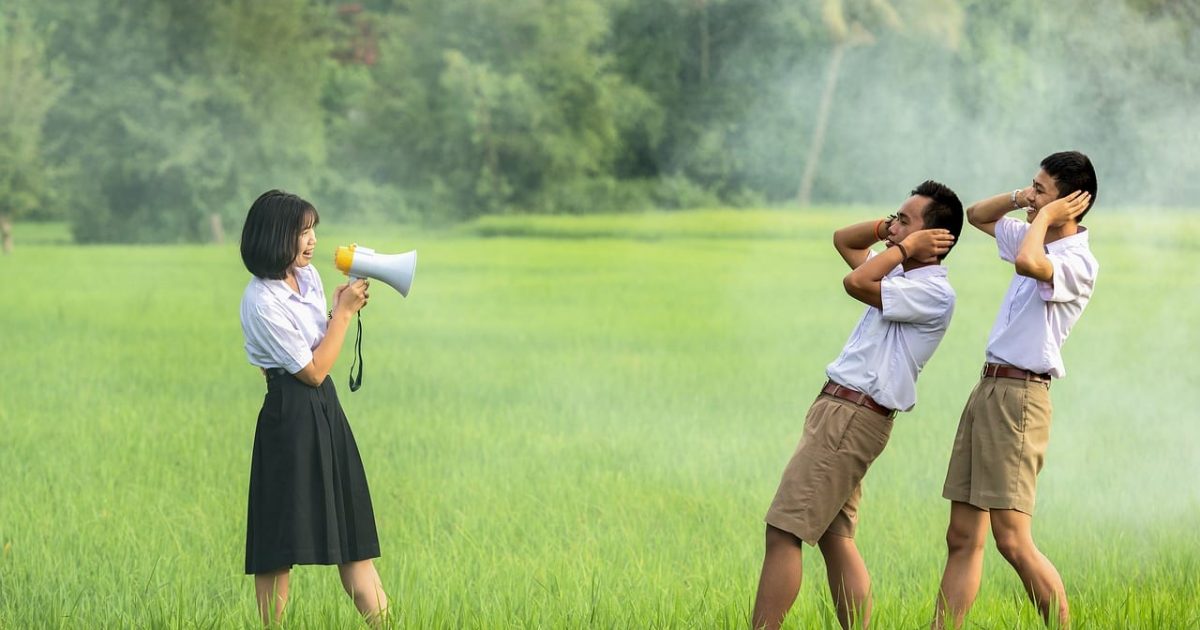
(1078, 239)
(281, 290)
(931, 271)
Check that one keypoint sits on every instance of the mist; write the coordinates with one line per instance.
(160, 121)
(1099, 77)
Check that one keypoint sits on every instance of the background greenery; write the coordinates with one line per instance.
(161, 120)
(573, 424)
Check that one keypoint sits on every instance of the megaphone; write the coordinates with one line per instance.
(362, 262)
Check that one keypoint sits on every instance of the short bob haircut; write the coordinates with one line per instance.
(272, 230)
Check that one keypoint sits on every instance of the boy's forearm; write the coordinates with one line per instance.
(880, 266)
(861, 235)
(865, 283)
(1031, 260)
(853, 242)
(992, 209)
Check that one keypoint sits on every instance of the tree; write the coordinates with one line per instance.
(29, 87)
(480, 106)
(848, 24)
(710, 68)
(183, 112)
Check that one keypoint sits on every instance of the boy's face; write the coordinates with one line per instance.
(1042, 191)
(909, 218)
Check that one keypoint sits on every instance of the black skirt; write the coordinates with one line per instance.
(309, 502)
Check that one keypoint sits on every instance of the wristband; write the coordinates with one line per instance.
(877, 224)
(903, 251)
(1013, 198)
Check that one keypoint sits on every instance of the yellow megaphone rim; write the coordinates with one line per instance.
(343, 257)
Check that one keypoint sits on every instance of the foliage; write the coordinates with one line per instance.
(206, 106)
(29, 86)
(179, 113)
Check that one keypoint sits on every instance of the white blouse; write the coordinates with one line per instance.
(283, 327)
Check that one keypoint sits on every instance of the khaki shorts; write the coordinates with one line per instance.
(1000, 445)
(822, 484)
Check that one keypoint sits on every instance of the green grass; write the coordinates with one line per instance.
(577, 424)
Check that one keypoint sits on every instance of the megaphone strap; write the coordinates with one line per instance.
(356, 381)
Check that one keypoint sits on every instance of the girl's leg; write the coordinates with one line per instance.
(362, 584)
(268, 588)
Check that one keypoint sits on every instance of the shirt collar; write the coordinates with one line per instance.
(281, 290)
(932, 271)
(1078, 239)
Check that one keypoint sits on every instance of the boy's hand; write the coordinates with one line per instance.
(1059, 211)
(926, 245)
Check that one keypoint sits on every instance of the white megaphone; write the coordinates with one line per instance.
(362, 262)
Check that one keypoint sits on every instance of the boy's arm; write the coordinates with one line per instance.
(1031, 260)
(854, 241)
(865, 283)
(984, 214)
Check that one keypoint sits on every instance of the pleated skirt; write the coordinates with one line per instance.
(309, 502)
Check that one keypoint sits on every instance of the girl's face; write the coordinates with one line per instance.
(305, 246)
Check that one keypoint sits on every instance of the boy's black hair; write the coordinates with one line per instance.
(944, 210)
(271, 231)
(1072, 171)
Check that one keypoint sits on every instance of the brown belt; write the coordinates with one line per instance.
(856, 397)
(1008, 371)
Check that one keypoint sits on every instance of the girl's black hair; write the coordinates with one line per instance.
(271, 231)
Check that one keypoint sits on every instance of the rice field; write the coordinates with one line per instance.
(574, 422)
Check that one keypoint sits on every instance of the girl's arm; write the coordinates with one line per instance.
(347, 301)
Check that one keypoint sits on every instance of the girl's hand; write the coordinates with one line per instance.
(351, 297)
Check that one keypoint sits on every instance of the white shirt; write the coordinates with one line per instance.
(1036, 316)
(889, 347)
(281, 326)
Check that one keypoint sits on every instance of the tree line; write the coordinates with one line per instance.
(160, 120)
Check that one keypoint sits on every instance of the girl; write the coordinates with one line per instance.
(309, 502)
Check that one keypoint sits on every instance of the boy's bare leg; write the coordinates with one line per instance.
(780, 580)
(1013, 532)
(964, 564)
(849, 582)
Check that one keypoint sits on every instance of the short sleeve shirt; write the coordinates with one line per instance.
(889, 346)
(282, 327)
(1036, 317)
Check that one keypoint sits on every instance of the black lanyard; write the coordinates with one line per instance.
(356, 381)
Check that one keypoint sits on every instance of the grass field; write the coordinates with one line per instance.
(574, 424)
